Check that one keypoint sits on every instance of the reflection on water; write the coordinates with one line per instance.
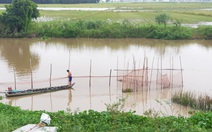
(100, 58)
(16, 52)
(70, 97)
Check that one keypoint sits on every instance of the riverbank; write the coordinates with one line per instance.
(120, 20)
(107, 29)
(110, 120)
(124, 29)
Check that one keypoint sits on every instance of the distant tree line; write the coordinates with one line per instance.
(55, 1)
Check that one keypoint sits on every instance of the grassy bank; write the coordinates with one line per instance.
(107, 121)
(128, 20)
(124, 29)
(122, 20)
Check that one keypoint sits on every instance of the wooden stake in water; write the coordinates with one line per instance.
(157, 80)
(161, 73)
(151, 75)
(50, 79)
(69, 61)
(117, 66)
(14, 78)
(143, 72)
(181, 71)
(172, 72)
(90, 84)
(110, 77)
(134, 75)
(110, 84)
(31, 74)
(90, 73)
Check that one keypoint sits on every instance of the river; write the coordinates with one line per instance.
(186, 63)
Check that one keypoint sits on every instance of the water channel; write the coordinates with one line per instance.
(102, 58)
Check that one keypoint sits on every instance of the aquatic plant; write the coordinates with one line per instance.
(152, 113)
(201, 102)
(117, 106)
(127, 90)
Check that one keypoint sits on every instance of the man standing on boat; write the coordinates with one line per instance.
(69, 77)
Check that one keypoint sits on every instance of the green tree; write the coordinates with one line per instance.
(18, 16)
(162, 19)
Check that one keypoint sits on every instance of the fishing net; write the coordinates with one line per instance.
(144, 79)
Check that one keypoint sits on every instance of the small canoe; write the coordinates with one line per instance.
(14, 93)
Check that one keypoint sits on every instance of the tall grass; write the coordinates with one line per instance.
(201, 102)
(107, 29)
(203, 32)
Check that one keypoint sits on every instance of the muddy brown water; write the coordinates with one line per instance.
(101, 58)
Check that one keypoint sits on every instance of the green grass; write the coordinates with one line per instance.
(145, 12)
(127, 90)
(201, 102)
(136, 17)
(106, 121)
(139, 14)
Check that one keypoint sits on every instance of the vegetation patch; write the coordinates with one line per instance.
(127, 90)
(149, 20)
(201, 102)
(112, 120)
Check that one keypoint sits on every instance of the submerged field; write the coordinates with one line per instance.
(131, 20)
(135, 12)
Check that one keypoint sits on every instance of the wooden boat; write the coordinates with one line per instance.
(13, 93)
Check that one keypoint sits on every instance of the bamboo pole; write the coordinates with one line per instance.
(117, 79)
(50, 79)
(161, 73)
(110, 77)
(90, 84)
(157, 72)
(117, 66)
(146, 75)
(143, 72)
(181, 71)
(151, 74)
(90, 73)
(127, 77)
(134, 78)
(172, 72)
(110, 84)
(69, 60)
(14, 78)
(31, 74)
(170, 78)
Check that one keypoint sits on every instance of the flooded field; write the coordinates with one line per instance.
(97, 66)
